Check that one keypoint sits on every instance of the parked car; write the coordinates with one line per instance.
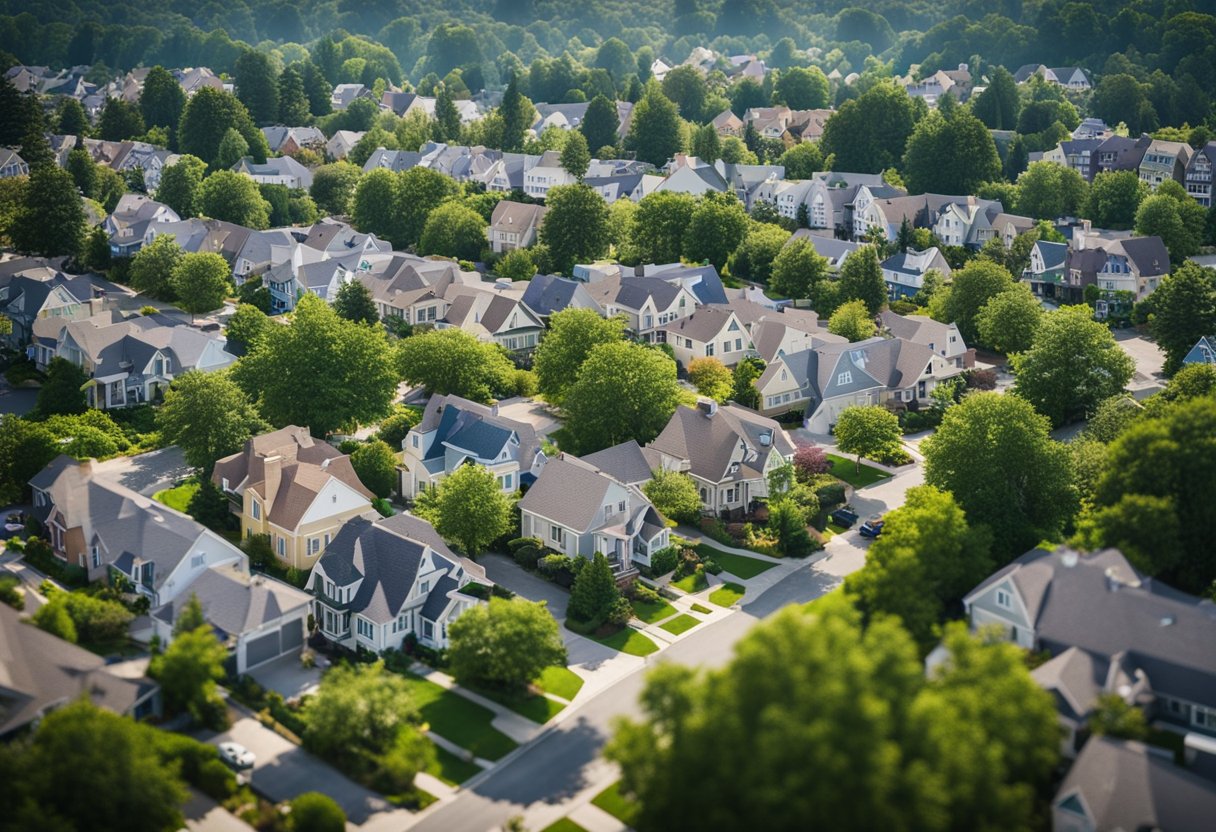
(844, 516)
(236, 755)
(872, 527)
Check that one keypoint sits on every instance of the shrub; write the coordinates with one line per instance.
(981, 379)
(498, 591)
(383, 506)
(514, 545)
(893, 455)
(664, 561)
(527, 556)
(690, 561)
(638, 591)
(620, 612)
(9, 593)
(712, 567)
(315, 812)
(810, 460)
(831, 494)
(560, 569)
(713, 527)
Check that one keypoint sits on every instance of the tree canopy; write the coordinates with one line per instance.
(208, 416)
(623, 391)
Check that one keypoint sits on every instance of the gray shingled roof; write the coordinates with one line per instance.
(628, 462)
(708, 441)
(1130, 786)
(233, 601)
(569, 491)
(39, 671)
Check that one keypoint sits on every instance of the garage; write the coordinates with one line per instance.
(262, 649)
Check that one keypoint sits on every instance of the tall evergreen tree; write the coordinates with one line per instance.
(257, 87)
(999, 104)
(655, 133)
(515, 111)
(447, 117)
(162, 100)
(120, 120)
(293, 100)
(600, 124)
(51, 222)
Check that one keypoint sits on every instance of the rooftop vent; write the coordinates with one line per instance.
(1069, 559)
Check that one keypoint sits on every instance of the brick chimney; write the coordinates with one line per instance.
(273, 477)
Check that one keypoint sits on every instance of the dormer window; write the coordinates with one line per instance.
(845, 378)
(1004, 599)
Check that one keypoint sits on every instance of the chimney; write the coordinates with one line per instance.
(709, 408)
(273, 472)
(494, 409)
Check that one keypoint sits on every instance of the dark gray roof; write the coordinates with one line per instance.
(1102, 605)
(708, 437)
(1126, 785)
(1148, 254)
(831, 248)
(634, 291)
(1053, 254)
(437, 601)
(39, 671)
(476, 428)
(548, 293)
(234, 602)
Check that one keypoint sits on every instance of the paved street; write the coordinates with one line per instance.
(1149, 361)
(146, 473)
(548, 775)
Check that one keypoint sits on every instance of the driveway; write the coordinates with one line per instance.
(505, 572)
(203, 814)
(284, 770)
(1148, 357)
(529, 411)
(146, 473)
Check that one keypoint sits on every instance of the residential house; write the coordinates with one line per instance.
(904, 272)
(562, 116)
(955, 220)
(11, 164)
(43, 672)
(548, 294)
(545, 174)
(261, 251)
(113, 533)
(1092, 128)
(342, 142)
(830, 199)
(296, 490)
(1164, 161)
(943, 339)
(128, 361)
(412, 288)
(1070, 77)
(346, 94)
(829, 377)
(278, 170)
(1204, 351)
(578, 510)
(728, 451)
(953, 82)
(779, 333)
(1079, 154)
(495, 314)
(1123, 785)
(196, 234)
(128, 223)
(1199, 174)
(394, 160)
(454, 432)
(380, 582)
(1122, 153)
(833, 250)
(193, 79)
(710, 331)
(514, 225)
(627, 463)
(1115, 264)
(646, 302)
(288, 140)
(727, 123)
(1048, 268)
(1144, 640)
(40, 293)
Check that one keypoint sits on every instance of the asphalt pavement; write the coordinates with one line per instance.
(146, 473)
(565, 760)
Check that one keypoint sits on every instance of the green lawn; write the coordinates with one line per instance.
(459, 720)
(539, 709)
(614, 803)
(846, 469)
(653, 611)
(680, 624)
(692, 583)
(179, 496)
(726, 595)
(738, 565)
(701, 609)
(629, 640)
(563, 825)
(451, 769)
(561, 681)
(832, 529)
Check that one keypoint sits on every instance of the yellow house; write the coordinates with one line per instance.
(295, 490)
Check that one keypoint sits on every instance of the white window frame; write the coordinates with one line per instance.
(1004, 599)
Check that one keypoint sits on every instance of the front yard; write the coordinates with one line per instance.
(738, 565)
(614, 803)
(682, 623)
(846, 469)
(179, 496)
(627, 640)
(652, 612)
(459, 720)
(726, 595)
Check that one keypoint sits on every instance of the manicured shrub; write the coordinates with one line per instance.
(664, 561)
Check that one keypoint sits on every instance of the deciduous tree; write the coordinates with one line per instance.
(1073, 364)
(797, 269)
(654, 127)
(861, 279)
(454, 230)
(181, 185)
(623, 391)
(753, 259)
(208, 416)
(451, 361)
(971, 287)
(233, 197)
(867, 430)
(716, 228)
(320, 371)
(572, 334)
(660, 223)
(505, 644)
(470, 509)
(853, 321)
(950, 155)
(1114, 198)
(575, 228)
(993, 452)
(63, 390)
(1008, 321)
(711, 378)
(201, 280)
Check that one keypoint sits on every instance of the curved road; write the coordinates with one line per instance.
(564, 761)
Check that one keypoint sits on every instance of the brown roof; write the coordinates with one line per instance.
(510, 216)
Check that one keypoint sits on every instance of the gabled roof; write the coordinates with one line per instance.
(628, 462)
(1054, 254)
(708, 436)
(39, 671)
(516, 216)
(1101, 604)
(235, 602)
(570, 492)
(1125, 785)
(919, 329)
(705, 323)
(474, 428)
(548, 294)
(834, 250)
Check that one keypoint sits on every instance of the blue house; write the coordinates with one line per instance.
(1204, 352)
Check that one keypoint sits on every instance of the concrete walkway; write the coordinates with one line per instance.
(519, 728)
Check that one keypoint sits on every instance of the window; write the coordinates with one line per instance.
(196, 560)
(364, 628)
(845, 378)
(414, 440)
(282, 546)
(709, 349)
(257, 510)
(224, 483)
(1004, 599)
(557, 534)
(96, 558)
(428, 629)
(424, 587)
(620, 506)
(314, 545)
(738, 344)
(506, 482)
(725, 347)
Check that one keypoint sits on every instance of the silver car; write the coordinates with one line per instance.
(236, 755)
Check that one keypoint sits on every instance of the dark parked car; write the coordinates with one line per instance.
(872, 527)
(844, 516)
